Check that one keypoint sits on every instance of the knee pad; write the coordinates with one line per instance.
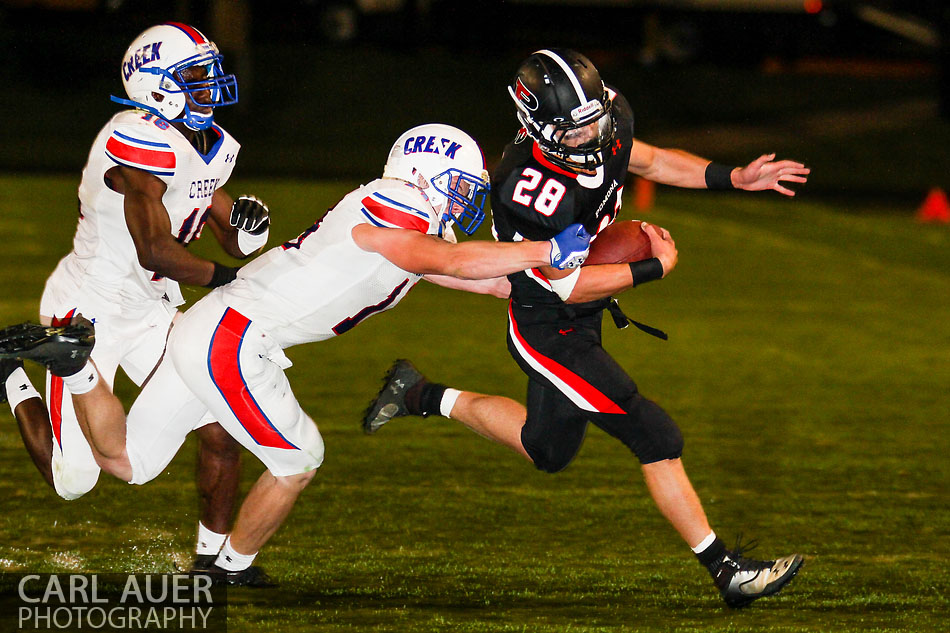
(547, 461)
(72, 483)
(548, 457)
(655, 436)
(73, 478)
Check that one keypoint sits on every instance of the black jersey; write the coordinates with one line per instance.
(534, 199)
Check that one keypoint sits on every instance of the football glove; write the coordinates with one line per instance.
(569, 248)
(251, 215)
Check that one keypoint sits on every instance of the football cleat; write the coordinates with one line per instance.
(390, 402)
(253, 576)
(741, 580)
(203, 562)
(63, 349)
(7, 367)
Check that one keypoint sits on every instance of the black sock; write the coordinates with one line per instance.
(430, 398)
(711, 556)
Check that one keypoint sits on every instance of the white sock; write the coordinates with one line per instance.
(83, 381)
(233, 561)
(208, 542)
(703, 544)
(448, 402)
(19, 388)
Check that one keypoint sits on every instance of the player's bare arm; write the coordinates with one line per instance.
(605, 280)
(497, 287)
(429, 254)
(150, 228)
(220, 225)
(682, 169)
(667, 166)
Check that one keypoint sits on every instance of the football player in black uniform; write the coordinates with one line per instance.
(568, 164)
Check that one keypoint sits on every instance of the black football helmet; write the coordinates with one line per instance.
(563, 105)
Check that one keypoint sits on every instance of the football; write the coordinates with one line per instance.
(619, 243)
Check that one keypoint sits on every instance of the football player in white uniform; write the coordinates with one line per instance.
(225, 355)
(152, 182)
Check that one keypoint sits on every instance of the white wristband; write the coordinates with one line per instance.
(19, 388)
(250, 243)
(448, 402)
(564, 286)
(83, 381)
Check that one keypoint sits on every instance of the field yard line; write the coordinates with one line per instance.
(754, 234)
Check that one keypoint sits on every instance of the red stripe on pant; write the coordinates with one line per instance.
(225, 368)
(56, 390)
(591, 394)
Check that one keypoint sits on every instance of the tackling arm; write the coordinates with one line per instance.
(150, 228)
(497, 286)
(428, 254)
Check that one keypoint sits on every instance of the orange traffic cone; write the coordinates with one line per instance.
(935, 208)
(644, 192)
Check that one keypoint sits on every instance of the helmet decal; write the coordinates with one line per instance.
(196, 36)
(145, 55)
(525, 96)
(430, 145)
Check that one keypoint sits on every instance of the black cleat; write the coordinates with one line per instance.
(741, 580)
(203, 562)
(390, 402)
(253, 576)
(7, 367)
(63, 349)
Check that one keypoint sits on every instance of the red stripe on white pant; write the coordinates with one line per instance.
(225, 367)
(56, 390)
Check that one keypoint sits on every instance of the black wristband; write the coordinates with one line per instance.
(719, 176)
(222, 275)
(646, 270)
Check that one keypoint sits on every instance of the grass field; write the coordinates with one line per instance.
(807, 366)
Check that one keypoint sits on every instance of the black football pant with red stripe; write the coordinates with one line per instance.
(574, 381)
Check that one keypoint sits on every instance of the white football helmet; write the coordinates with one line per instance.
(152, 75)
(449, 167)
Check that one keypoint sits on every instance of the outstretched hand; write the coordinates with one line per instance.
(763, 173)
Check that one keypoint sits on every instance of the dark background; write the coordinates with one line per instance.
(325, 87)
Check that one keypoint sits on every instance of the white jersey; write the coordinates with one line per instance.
(322, 284)
(103, 266)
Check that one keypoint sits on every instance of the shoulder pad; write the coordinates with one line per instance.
(139, 146)
(400, 206)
